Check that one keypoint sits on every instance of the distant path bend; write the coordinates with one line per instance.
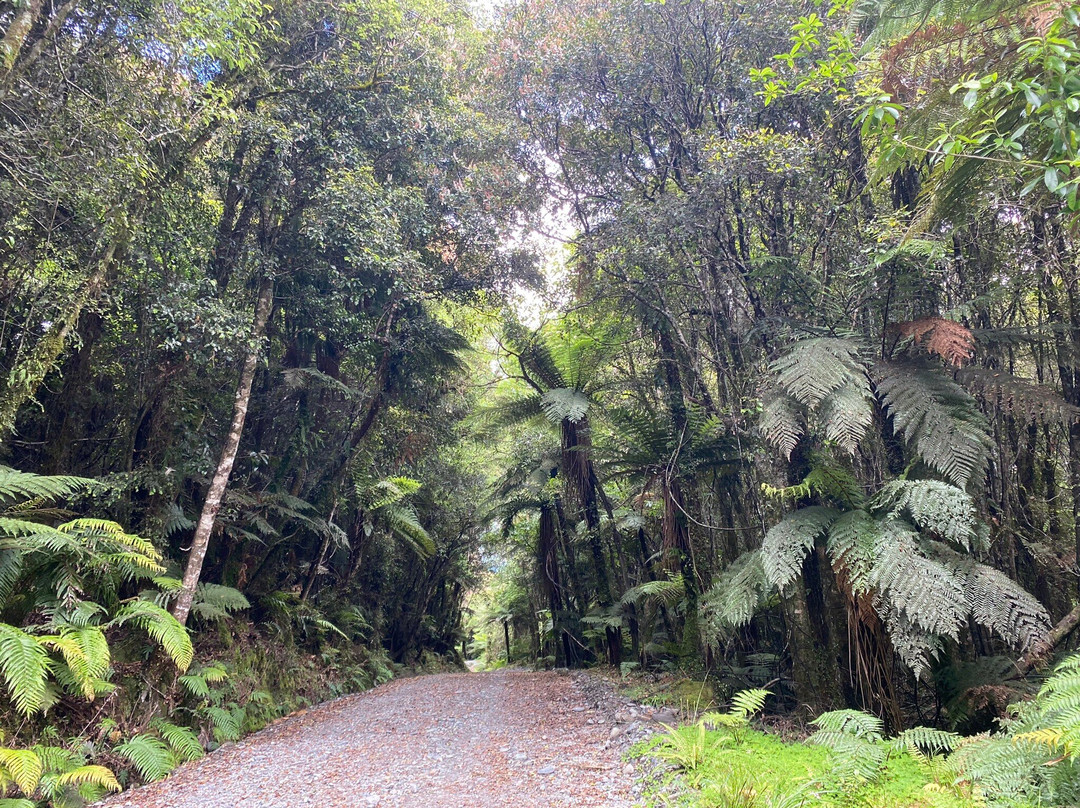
(506, 739)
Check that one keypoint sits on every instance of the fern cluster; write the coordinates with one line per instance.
(46, 570)
(909, 550)
(53, 775)
(1032, 761)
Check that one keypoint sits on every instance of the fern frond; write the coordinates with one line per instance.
(999, 603)
(25, 666)
(952, 341)
(23, 767)
(182, 740)
(668, 592)
(152, 759)
(86, 653)
(748, 702)
(565, 404)
(814, 368)
(735, 596)
(932, 505)
(913, 644)
(21, 485)
(930, 594)
(99, 776)
(927, 740)
(226, 724)
(781, 425)
(788, 542)
(852, 546)
(847, 414)
(1023, 399)
(938, 418)
(854, 723)
(216, 602)
(161, 626)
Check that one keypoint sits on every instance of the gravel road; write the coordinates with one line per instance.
(461, 740)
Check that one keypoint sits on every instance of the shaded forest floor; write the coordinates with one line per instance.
(505, 738)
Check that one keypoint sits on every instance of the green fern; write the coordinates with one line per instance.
(25, 667)
(181, 740)
(788, 542)
(736, 596)
(813, 369)
(942, 509)
(20, 486)
(855, 740)
(227, 724)
(669, 592)
(150, 756)
(563, 403)
(161, 626)
(217, 602)
(938, 418)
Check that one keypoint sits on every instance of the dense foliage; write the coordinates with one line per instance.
(739, 338)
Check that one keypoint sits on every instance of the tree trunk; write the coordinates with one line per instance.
(214, 496)
(30, 371)
(26, 14)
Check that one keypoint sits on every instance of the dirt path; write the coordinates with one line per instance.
(469, 740)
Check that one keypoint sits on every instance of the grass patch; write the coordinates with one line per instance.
(753, 769)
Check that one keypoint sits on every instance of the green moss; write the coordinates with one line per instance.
(763, 771)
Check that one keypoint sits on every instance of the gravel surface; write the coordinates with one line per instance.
(460, 740)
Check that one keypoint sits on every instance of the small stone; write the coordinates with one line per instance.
(579, 709)
(628, 769)
(372, 800)
(521, 756)
(546, 770)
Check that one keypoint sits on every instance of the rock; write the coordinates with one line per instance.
(628, 769)
(617, 731)
(546, 770)
(622, 717)
(372, 799)
(521, 756)
(579, 709)
(665, 716)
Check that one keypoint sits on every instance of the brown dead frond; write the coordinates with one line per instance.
(951, 341)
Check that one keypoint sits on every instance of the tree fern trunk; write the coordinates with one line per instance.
(205, 527)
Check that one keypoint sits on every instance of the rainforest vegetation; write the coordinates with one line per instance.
(738, 339)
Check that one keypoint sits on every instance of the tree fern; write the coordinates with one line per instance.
(788, 542)
(938, 418)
